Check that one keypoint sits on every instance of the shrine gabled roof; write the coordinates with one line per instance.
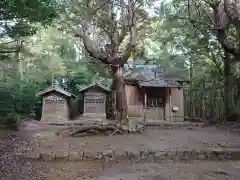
(95, 84)
(147, 78)
(56, 89)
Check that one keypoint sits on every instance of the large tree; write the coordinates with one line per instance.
(115, 23)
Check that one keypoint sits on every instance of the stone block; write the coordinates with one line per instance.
(173, 155)
(33, 155)
(160, 156)
(202, 155)
(75, 156)
(47, 156)
(179, 155)
(109, 153)
(143, 154)
(61, 155)
(168, 155)
(121, 155)
(89, 155)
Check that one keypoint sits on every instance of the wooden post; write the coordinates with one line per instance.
(145, 98)
(166, 105)
(144, 106)
(170, 105)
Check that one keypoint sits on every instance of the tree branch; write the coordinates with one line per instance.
(88, 44)
(123, 3)
(214, 60)
(233, 11)
(97, 9)
(130, 48)
(122, 35)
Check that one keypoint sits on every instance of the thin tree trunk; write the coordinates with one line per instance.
(203, 100)
(191, 90)
(18, 66)
(213, 101)
(227, 87)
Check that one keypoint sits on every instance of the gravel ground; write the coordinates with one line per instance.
(152, 139)
(195, 170)
(14, 167)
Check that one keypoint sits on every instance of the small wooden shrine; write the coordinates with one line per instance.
(95, 96)
(56, 104)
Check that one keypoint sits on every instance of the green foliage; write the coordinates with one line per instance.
(21, 18)
(33, 10)
(17, 101)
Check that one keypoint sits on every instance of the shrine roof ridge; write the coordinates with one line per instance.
(57, 89)
(83, 88)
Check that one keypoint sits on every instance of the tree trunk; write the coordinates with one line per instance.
(111, 105)
(18, 66)
(227, 87)
(121, 102)
(191, 114)
(203, 100)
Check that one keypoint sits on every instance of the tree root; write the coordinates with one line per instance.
(87, 130)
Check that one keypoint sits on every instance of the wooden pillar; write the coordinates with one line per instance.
(167, 105)
(170, 104)
(84, 104)
(145, 106)
(145, 98)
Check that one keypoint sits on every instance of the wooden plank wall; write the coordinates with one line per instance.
(134, 97)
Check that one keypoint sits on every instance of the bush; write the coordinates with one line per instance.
(18, 100)
(11, 120)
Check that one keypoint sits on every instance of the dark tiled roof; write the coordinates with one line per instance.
(157, 82)
(56, 89)
(147, 78)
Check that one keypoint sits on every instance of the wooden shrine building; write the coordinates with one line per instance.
(56, 104)
(95, 97)
(158, 95)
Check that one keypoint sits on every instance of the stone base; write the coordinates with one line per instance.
(175, 155)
